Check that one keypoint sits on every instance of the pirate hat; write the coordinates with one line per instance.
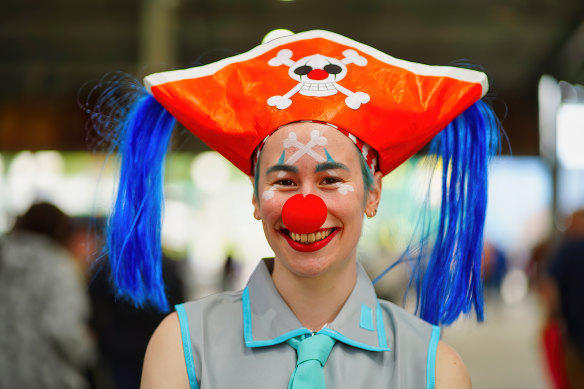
(392, 105)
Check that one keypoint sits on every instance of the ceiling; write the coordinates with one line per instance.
(54, 52)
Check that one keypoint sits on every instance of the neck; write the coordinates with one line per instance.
(315, 301)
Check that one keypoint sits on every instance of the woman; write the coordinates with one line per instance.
(317, 119)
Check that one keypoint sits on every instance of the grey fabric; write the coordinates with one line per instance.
(44, 338)
(223, 360)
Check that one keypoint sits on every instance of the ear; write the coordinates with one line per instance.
(255, 202)
(374, 195)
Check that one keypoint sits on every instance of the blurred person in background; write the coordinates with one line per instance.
(44, 308)
(122, 331)
(562, 293)
(494, 267)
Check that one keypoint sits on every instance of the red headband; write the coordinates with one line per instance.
(368, 153)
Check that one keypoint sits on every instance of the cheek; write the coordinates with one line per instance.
(345, 189)
(345, 204)
(271, 208)
(268, 195)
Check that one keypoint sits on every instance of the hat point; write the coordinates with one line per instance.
(275, 34)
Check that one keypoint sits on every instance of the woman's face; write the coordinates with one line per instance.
(313, 158)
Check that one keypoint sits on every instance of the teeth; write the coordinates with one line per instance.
(309, 238)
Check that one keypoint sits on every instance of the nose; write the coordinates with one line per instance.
(317, 74)
(304, 214)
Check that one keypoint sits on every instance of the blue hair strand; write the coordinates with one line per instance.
(446, 262)
(451, 282)
(134, 226)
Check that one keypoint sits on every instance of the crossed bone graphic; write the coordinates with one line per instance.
(301, 149)
(318, 75)
(316, 139)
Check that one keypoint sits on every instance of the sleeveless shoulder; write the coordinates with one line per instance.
(206, 324)
(415, 341)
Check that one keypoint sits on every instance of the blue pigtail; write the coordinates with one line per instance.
(450, 283)
(133, 232)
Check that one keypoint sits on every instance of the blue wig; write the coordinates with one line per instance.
(133, 231)
(447, 261)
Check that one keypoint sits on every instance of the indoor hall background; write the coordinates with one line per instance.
(54, 52)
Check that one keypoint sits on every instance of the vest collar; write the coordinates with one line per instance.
(267, 319)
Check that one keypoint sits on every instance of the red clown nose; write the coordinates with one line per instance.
(304, 215)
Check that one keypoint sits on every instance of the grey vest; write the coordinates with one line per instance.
(238, 340)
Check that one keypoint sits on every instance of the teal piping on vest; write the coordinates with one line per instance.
(342, 338)
(250, 342)
(247, 329)
(380, 327)
(366, 321)
(431, 364)
(247, 335)
(186, 341)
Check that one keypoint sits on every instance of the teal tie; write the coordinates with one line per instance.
(312, 352)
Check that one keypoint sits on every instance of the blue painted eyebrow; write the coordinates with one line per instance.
(330, 166)
(280, 167)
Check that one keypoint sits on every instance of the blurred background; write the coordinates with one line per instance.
(56, 54)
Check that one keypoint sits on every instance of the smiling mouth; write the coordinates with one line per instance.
(310, 238)
(309, 242)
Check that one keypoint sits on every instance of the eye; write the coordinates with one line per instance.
(332, 69)
(330, 180)
(303, 70)
(285, 182)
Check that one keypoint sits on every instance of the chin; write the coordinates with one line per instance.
(304, 267)
(312, 264)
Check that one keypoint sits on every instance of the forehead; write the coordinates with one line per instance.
(338, 145)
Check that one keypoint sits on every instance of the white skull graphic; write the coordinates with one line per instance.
(317, 75)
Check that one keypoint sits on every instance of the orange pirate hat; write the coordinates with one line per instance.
(392, 106)
(395, 106)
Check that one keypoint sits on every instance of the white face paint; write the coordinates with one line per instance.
(268, 194)
(344, 188)
(316, 139)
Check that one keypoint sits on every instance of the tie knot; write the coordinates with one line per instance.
(316, 347)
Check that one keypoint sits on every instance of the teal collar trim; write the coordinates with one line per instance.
(267, 319)
(248, 333)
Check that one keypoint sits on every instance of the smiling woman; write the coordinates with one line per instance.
(328, 187)
(317, 133)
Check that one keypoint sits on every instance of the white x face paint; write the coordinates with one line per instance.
(304, 149)
(308, 149)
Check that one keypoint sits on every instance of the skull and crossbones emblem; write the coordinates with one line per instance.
(318, 75)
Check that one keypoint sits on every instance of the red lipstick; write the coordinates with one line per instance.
(308, 247)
